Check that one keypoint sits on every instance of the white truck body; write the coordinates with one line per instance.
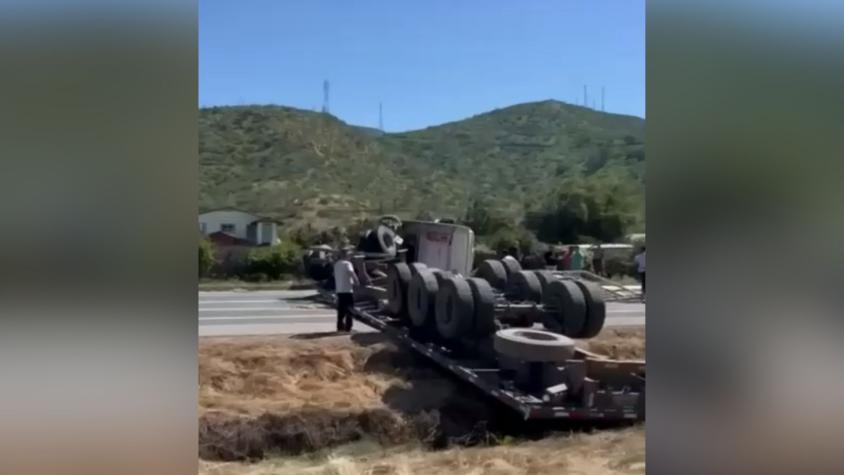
(442, 245)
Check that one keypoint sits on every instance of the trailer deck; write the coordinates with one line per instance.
(605, 404)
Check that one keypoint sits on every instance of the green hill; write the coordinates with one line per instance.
(302, 166)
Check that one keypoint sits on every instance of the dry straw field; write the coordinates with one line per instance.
(335, 405)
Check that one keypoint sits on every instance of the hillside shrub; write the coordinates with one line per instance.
(206, 257)
(518, 238)
(273, 262)
(483, 252)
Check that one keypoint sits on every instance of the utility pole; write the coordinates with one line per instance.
(380, 117)
(585, 100)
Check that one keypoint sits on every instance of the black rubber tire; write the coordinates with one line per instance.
(422, 298)
(533, 345)
(369, 242)
(441, 274)
(545, 277)
(398, 279)
(386, 239)
(596, 309)
(415, 267)
(494, 272)
(525, 286)
(484, 299)
(388, 219)
(565, 308)
(511, 265)
(455, 311)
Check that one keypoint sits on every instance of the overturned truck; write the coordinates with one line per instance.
(505, 330)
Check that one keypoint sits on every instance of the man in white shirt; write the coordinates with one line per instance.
(640, 269)
(345, 281)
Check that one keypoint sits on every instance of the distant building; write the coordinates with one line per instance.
(231, 227)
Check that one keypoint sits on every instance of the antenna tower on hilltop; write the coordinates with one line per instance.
(325, 88)
(380, 117)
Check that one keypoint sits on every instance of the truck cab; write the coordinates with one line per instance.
(439, 245)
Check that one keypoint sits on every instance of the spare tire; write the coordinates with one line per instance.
(369, 243)
(525, 286)
(565, 308)
(596, 309)
(484, 299)
(422, 297)
(386, 239)
(494, 272)
(535, 346)
(398, 278)
(455, 311)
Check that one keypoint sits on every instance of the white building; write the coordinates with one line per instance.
(256, 230)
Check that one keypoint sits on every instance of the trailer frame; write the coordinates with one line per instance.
(488, 378)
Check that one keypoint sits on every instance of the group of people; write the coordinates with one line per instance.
(573, 259)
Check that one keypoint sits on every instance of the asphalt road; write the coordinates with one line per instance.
(281, 312)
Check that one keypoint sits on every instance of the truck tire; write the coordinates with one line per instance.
(415, 267)
(455, 311)
(398, 279)
(441, 274)
(511, 265)
(535, 346)
(484, 300)
(545, 277)
(422, 296)
(386, 239)
(566, 308)
(494, 272)
(525, 286)
(596, 309)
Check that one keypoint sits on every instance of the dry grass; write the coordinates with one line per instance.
(279, 375)
(608, 452)
(252, 376)
(618, 343)
(266, 396)
(259, 396)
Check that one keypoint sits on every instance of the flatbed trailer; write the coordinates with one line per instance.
(600, 404)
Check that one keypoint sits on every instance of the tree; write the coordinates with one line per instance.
(206, 257)
(601, 207)
(483, 220)
(503, 241)
(275, 261)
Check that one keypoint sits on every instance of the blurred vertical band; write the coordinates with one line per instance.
(98, 138)
(745, 197)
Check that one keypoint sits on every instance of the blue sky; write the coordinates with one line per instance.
(427, 61)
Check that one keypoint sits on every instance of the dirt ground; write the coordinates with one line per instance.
(326, 404)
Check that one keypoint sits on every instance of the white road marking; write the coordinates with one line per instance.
(268, 317)
(260, 309)
(224, 301)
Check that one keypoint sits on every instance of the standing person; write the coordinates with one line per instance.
(565, 260)
(640, 269)
(598, 260)
(345, 281)
(576, 258)
(550, 260)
